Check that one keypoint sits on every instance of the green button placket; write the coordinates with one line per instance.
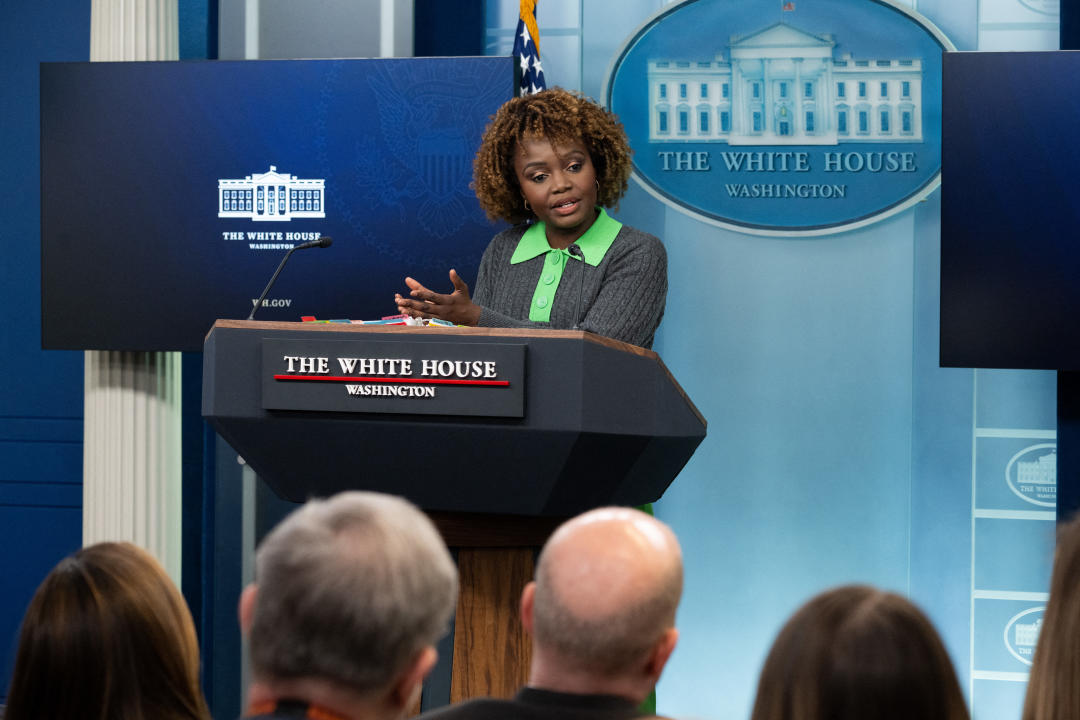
(547, 284)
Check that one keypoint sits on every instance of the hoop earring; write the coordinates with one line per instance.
(527, 208)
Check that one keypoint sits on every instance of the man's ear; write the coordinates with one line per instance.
(246, 608)
(528, 596)
(661, 652)
(404, 691)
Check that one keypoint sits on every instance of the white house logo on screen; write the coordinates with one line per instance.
(1022, 633)
(783, 118)
(1032, 474)
(271, 196)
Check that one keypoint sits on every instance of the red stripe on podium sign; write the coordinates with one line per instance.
(410, 381)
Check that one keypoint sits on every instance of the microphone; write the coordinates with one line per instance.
(574, 250)
(321, 242)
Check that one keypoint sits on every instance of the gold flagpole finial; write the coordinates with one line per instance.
(527, 13)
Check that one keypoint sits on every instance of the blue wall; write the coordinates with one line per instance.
(41, 397)
(804, 369)
(838, 449)
(198, 21)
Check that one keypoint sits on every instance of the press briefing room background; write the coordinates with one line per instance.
(839, 449)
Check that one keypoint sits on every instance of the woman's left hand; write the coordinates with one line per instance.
(456, 307)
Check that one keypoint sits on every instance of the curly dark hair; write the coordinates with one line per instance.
(560, 116)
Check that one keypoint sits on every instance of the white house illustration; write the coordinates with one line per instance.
(271, 196)
(1027, 635)
(782, 86)
(1043, 471)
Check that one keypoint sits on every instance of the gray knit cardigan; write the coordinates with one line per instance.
(623, 297)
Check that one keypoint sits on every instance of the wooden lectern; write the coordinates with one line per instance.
(498, 434)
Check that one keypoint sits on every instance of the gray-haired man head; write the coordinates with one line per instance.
(350, 595)
(601, 613)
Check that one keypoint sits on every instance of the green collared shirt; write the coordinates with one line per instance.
(594, 245)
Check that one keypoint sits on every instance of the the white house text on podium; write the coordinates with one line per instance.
(271, 196)
(782, 86)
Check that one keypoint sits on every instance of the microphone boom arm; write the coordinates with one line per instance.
(321, 242)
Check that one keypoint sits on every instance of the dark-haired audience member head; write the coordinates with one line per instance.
(1053, 690)
(854, 653)
(350, 596)
(601, 611)
(107, 635)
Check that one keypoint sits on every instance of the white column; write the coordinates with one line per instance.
(828, 96)
(386, 28)
(131, 436)
(134, 30)
(738, 107)
(797, 127)
(767, 98)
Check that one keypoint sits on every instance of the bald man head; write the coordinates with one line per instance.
(602, 607)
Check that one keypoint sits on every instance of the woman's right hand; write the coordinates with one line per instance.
(456, 307)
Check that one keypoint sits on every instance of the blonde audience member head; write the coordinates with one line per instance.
(107, 635)
(1053, 690)
(602, 608)
(855, 653)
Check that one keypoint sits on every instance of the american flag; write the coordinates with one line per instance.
(527, 50)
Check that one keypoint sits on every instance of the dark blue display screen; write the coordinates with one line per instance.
(171, 190)
(1010, 228)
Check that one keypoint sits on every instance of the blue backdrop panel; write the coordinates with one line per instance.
(1017, 399)
(753, 331)
(998, 699)
(139, 249)
(1006, 561)
(1005, 632)
(41, 392)
(941, 457)
(23, 515)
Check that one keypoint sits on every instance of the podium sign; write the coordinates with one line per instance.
(381, 376)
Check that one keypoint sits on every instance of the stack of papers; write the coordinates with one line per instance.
(388, 320)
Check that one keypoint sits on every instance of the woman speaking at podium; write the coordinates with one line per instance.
(549, 164)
